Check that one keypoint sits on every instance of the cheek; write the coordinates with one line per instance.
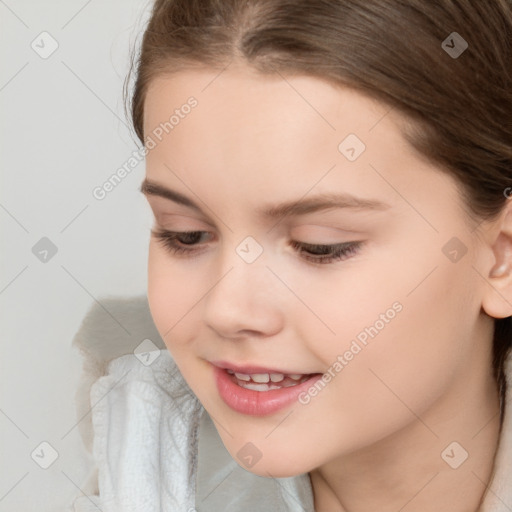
(172, 293)
(415, 357)
(407, 354)
(406, 366)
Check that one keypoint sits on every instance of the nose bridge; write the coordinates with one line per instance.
(243, 262)
(242, 275)
(242, 296)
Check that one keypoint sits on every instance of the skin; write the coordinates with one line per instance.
(372, 438)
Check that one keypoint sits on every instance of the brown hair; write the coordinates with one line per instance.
(391, 50)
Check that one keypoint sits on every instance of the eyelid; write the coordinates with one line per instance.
(325, 219)
(324, 231)
(309, 240)
(337, 252)
(161, 219)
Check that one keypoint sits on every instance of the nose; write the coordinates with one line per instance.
(244, 300)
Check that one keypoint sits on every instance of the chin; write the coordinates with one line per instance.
(275, 468)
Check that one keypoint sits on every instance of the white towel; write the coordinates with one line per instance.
(145, 430)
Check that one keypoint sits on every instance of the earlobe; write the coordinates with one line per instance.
(497, 298)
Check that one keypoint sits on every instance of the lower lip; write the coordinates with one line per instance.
(257, 403)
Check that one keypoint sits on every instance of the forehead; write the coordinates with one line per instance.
(239, 95)
(257, 122)
(279, 137)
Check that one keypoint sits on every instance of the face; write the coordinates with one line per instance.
(357, 298)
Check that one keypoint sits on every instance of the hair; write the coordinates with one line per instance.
(459, 107)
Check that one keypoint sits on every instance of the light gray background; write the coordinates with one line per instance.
(63, 132)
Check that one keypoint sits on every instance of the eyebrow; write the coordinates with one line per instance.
(297, 207)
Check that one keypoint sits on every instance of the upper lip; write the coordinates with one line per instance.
(252, 368)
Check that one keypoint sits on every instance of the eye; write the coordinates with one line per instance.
(183, 243)
(326, 253)
(171, 240)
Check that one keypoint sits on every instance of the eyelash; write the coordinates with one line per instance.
(339, 252)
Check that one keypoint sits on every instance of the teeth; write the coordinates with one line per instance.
(289, 384)
(260, 377)
(257, 387)
(264, 387)
(263, 378)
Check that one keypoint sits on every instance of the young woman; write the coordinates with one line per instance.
(330, 266)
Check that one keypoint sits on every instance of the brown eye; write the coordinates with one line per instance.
(326, 253)
(184, 243)
(176, 242)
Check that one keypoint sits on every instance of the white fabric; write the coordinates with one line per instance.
(144, 428)
(145, 422)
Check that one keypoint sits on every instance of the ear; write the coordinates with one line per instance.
(497, 298)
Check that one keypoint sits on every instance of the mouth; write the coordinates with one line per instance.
(260, 393)
(267, 381)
